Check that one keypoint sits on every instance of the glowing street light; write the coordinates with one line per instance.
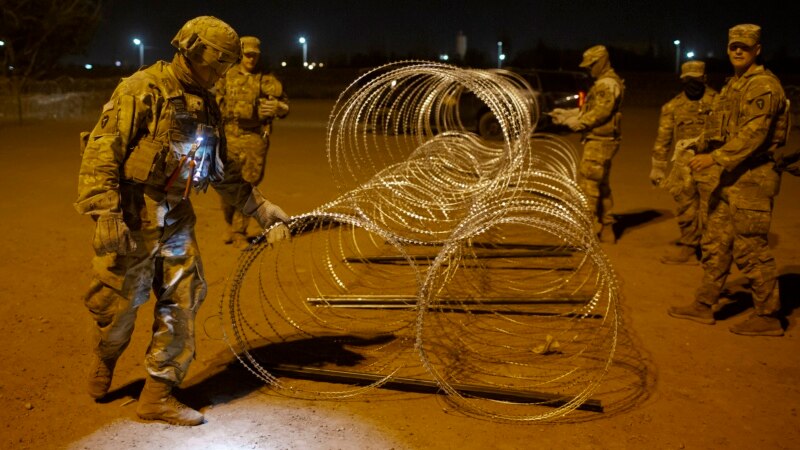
(138, 42)
(677, 43)
(2, 43)
(304, 43)
(690, 54)
(500, 55)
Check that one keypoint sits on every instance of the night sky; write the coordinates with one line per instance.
(335, 28)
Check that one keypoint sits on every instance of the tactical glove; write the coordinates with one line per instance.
(263, 211)
(574, 124)
(657, 172)
(560, 115)
(111, 235)
(267, 108)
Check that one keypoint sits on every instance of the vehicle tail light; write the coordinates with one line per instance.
(581, 98)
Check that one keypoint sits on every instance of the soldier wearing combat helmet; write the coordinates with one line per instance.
(158, 139)
(250, 101)
(748, 123)
(684, 117)
(600, 121)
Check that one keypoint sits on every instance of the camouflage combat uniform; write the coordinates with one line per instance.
(749, 120)
(682, 118)
(140, 160)
(601, 119)
(238, 93)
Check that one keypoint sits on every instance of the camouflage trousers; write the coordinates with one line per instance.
(166, 261)
(593, 178)
(691, 192)
(248, 149)
(740, 212)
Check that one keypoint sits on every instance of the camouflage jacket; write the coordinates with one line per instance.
(681, 118)
(149, 133)
(238, 93)
(749, 119)
(600, 114)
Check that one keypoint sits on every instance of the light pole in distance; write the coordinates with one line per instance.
(304, 43)
(138, 42)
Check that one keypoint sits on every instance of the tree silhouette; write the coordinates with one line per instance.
(37, 33)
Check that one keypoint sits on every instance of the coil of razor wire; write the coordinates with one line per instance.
(446, 257)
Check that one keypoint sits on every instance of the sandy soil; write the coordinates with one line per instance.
(695, 386)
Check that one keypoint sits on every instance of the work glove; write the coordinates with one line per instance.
(560, 115)
(658, 172)
(686, 144)
(267, 214)
(111, 235)
(267, 108)
(283, 109)
(574, 124)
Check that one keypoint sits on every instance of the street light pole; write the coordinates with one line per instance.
(499, 54)
(677, 43)
(138, 42)
(304, 43)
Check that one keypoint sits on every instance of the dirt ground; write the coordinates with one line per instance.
(697, 386)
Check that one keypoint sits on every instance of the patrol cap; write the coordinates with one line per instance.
(746, 33)
(593, 54)
(693, 69)
(250, 44)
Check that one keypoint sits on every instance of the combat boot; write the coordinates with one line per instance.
(157, 403)
(699, 312)
(607, 235)
(756, 325)
(680, 254)
(100, 374)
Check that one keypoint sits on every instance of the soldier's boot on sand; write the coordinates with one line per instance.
(756, 325)
(100, 374)
(698, 312)
(157, 403)
(680, 254)
(607, 235)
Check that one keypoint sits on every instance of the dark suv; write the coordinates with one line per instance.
(551, 89)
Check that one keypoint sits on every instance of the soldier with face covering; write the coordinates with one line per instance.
(684, 117)
(600, 121)
(748, 123)
(159, 139)
(250, 101)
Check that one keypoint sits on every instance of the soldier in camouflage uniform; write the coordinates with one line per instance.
(158, 138)
(600, 121)
(684, 117)
(748, 123)
(249, 101)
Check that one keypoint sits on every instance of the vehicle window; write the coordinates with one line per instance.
(559, 82)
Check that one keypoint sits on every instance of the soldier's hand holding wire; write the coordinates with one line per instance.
(267, 214)
(112, 235)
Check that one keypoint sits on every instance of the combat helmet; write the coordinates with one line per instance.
(250, 44)
(207, 32)
(593, 55)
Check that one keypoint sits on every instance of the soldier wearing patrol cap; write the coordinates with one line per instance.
(250, 101)
(684, 117)
(158, 139)
(600, 121)
(748, 122)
